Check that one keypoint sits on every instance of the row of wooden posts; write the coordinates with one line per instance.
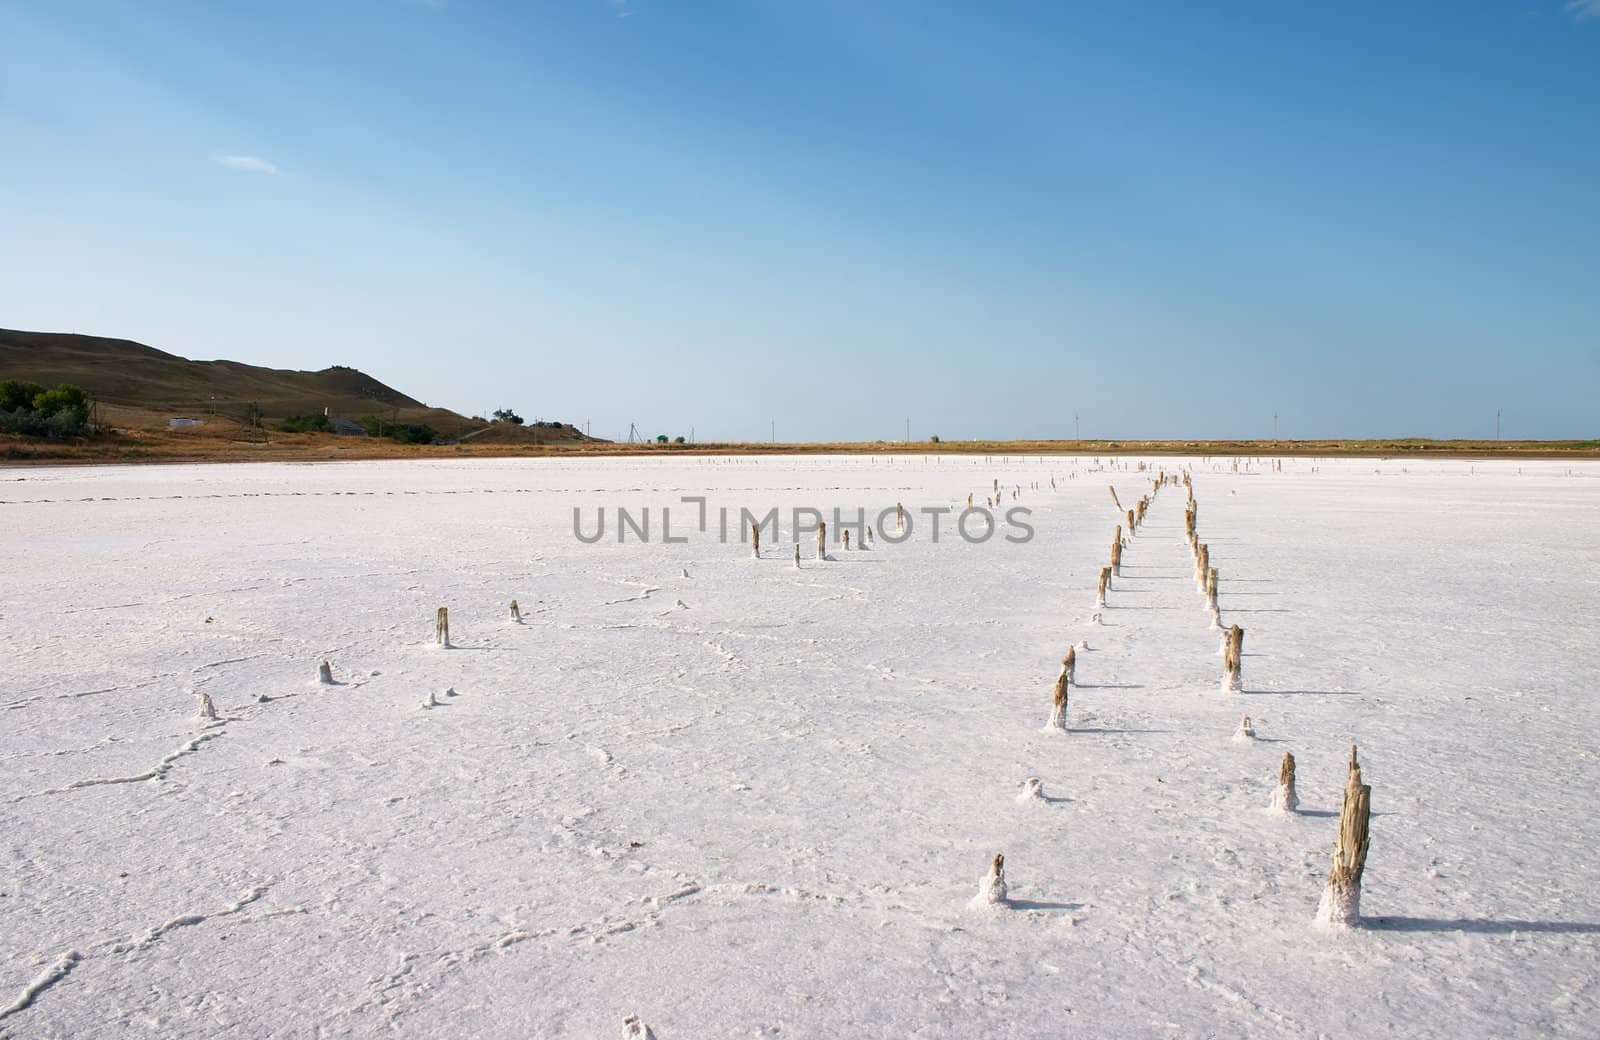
(1341, 896)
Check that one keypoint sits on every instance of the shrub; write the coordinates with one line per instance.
(18, 394)
(661, 438)
(404, 433)
(412, 433)
(318, 423)
(27, 408)
(507, 415)
(934, 439)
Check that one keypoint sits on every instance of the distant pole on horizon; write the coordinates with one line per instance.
(908, 429)
(774, 431)
(1274, 425)
(1497, 424)
(1075, 434)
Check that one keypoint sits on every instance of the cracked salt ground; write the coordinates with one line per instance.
(766, 814)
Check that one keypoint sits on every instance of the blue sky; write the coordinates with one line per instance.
(1170, 219)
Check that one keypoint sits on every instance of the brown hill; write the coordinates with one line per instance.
(141, 387)
(132, 375)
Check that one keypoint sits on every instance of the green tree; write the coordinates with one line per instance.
(28, 408)
(318, 423)
(49, 402)
(18, 394)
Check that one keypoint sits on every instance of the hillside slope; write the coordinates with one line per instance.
(132, 375)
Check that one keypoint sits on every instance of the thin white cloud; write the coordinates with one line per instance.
(1582, 10)
(622, 10)
(247, 163)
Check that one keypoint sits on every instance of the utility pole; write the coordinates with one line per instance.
(908, 429)
(774, 431)
(1274, 425)
(1497, 424)
(1075, 434)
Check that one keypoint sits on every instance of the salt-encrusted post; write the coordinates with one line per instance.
(441, 627)
(1341, 897)
(1116, 553)
(755, 541)
(1058, 705)
(992, 889)
(1232, 668)
(1100, 595)
(1284, 798)
(325, 673)
(516, 612)
(900, 514)
(822, 539)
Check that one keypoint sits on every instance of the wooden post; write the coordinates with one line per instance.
(900, 514)
(516, 612)
(992, 889)
(325, 673)
(1058, 705)
(1069, 664)
(755, 541)
(441, 627)
(822, 540)
(1284, 798)
(1105, 579)
(1341, 897)
(1233, 650)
